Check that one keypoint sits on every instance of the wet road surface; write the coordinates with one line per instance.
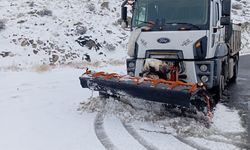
(240, 92)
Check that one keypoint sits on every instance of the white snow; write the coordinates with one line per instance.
(39, 111)
(230, 119)
(33, 38)
(43, 107)
(119, 136)
(26, 31)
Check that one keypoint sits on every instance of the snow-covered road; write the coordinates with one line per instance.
(40, 110)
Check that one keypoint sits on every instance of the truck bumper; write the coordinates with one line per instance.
(194, 70)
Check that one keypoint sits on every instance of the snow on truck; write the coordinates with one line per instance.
(181, 52)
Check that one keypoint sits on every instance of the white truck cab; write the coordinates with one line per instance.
(197, 35)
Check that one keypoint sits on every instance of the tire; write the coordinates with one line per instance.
(218, 90)
(236, 70)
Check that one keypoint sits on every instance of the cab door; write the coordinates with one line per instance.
(216, 28)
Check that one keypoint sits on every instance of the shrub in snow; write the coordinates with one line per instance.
(2, 25)
(86, 57)
(91, 7)
(44, 12)
(54, 58)
(88, 42)
(110, 47)
(105, 5)
(245, 26)
(117, 23)
(80, 30)
(109, 31)
(6, 54)
(31, 4)
(237, 6)
(21, 21)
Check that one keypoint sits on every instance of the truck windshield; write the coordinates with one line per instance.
(171, 13)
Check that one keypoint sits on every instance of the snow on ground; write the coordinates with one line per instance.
(42, 110)
(43, 106)
(45, 32)
(39, 111)
(226, 131)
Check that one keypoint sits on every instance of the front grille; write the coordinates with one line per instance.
(164, 54)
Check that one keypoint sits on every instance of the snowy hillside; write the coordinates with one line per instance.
(45, 32)
(241, 14)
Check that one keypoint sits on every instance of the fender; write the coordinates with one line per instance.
(221, 50)
(132, 49)
(221, 53)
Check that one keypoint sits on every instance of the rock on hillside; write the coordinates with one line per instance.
(46, 32)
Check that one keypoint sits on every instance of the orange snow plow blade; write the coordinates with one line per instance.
(158, 90)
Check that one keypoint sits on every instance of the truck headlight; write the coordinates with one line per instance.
(204, 79)
(131, 64)
(203, 68)
(200, 48)
(132, 74)
(198, 45)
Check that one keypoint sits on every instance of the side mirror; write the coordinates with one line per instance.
(124, 11)
(225, 21)
(226, 7)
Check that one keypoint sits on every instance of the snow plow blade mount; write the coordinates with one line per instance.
(170, 92)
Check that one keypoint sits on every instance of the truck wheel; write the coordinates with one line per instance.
(236, 69)
(219, 89)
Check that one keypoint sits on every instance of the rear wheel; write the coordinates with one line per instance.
(236, 70)
(219, 89)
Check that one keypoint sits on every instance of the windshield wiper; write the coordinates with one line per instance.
(184, 23)
(145, 22)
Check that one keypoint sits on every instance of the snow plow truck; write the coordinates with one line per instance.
(181, 53)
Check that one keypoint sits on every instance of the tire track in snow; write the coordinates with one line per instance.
(190, 143)
(235, 143)
(107, 143)
(100, 132)
(131, 130)
(181, 139)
